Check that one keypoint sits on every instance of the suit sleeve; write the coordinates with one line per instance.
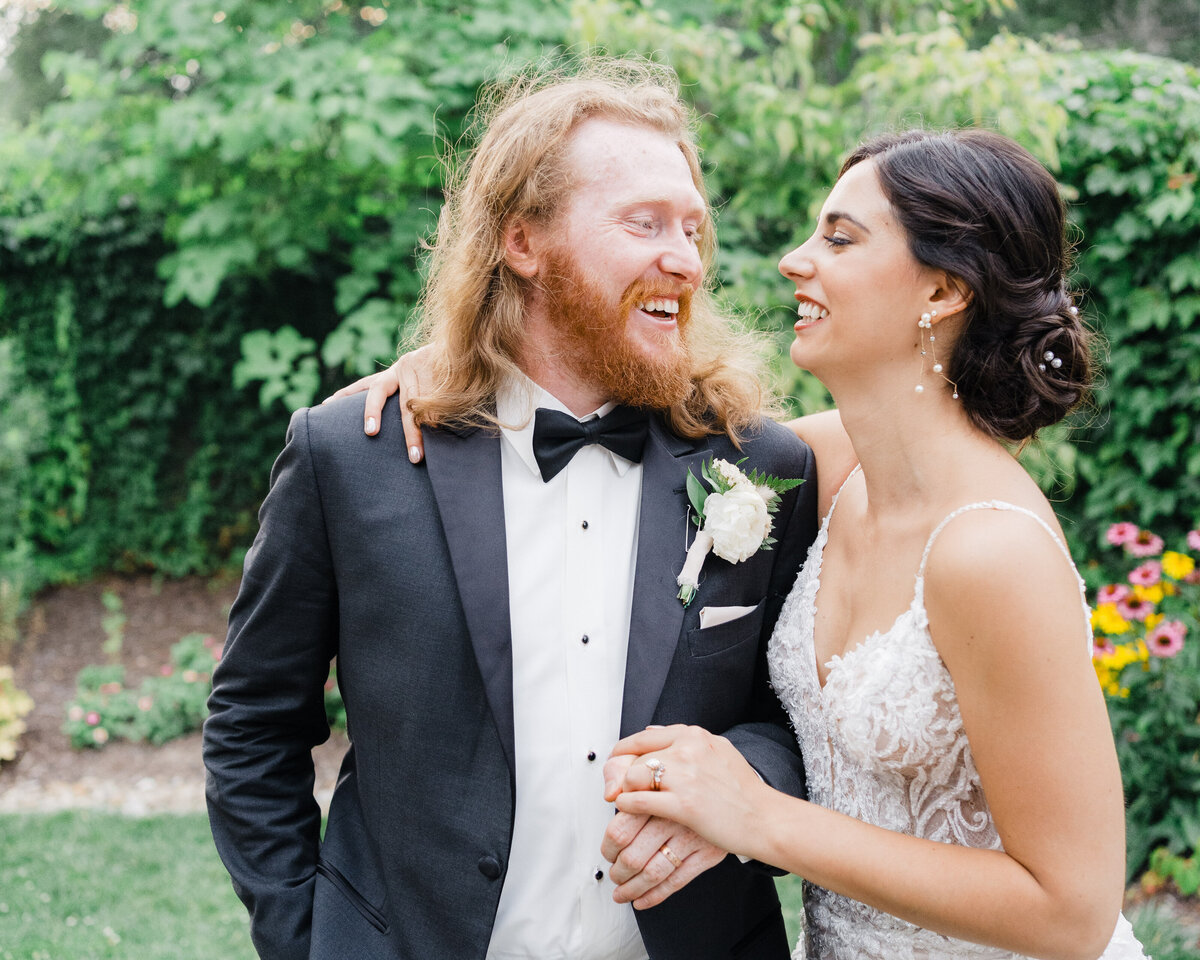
(766, 739)
(266, 712)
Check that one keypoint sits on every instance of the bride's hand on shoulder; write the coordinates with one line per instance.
(408, 377)
(692, 777)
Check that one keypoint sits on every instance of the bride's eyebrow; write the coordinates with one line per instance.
(833, 216)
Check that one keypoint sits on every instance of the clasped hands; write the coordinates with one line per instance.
(704, 805)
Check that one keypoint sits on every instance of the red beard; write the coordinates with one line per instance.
(597, 348)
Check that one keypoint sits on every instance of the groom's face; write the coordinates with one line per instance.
(621, 260)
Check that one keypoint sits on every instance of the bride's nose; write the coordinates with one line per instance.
(796, 263)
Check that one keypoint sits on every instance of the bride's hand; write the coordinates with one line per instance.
(408, 377)
(704, 783)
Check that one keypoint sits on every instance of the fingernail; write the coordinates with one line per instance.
(414, 454)
(370, 424)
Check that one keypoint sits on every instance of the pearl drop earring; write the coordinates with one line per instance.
(925, 324)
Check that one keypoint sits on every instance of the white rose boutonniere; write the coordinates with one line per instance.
(734, 519)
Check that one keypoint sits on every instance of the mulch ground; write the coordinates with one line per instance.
(61, 634)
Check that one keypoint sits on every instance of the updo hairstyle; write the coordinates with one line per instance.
(980, 207)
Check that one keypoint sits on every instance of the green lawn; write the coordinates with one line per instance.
(90, 886)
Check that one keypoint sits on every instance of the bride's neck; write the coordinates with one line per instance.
(913, 449)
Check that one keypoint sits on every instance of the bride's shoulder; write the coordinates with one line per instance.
(1000, 570)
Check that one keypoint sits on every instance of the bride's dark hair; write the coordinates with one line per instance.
(980, 207)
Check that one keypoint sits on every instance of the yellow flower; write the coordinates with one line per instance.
(1153, 620)
(1105, 619)
(1177, 565)
(1152, 594)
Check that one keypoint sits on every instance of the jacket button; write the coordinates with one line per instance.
(489, 867)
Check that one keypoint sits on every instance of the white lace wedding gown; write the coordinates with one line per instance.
(883, 741)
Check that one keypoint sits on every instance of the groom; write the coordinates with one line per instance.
(503, 615)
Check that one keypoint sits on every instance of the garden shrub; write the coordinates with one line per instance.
(14, 705)
(1131, 153)
(164, 707)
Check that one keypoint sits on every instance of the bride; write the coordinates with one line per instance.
(934, 654)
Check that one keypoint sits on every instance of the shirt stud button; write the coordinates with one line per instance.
(591, 755)
(584, 524)
(599, 874)
(584, 638)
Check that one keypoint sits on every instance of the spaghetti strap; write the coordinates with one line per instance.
(833, 502)
(1003, 505)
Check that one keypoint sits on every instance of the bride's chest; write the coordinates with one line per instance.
(886, 705)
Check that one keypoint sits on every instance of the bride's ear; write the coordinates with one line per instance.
(950, 296)
(521, 248)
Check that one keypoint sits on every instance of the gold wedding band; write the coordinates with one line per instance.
(669, 854)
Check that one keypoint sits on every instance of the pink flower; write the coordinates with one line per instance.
(1193, 539)
(92, 718)
(166, 669)
(1122, 533)
(1102, 647)
(145, 703)
(190, 676)
(1166, 639)
(209, 641)
(75, 713)
(113, 687)
(218, 650)
(1134, 607)
(1112, 593)
(1145, 544)
(1146, 574)
(100, 736)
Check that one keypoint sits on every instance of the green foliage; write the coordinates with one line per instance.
(240, 192)
(113, 624)
(1182, 871)
(1132, 153)
(1147, 657)
(219, 218)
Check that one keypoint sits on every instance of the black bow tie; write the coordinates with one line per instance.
(557, 435)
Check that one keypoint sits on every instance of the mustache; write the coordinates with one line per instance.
(642, 290)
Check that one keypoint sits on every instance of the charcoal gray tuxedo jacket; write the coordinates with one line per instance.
(401, 573)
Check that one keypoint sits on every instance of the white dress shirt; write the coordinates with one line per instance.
(572, 546)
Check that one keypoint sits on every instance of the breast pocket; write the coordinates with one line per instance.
(708, 641)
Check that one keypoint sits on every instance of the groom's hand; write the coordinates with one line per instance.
(645, 875)
(651, 857)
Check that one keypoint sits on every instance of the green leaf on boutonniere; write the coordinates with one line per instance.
(697, 495)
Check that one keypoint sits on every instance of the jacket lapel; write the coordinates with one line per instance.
(657, 615)
(464, 470)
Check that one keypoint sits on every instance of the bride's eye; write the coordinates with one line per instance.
(833, 240)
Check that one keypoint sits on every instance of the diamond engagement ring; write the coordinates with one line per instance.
(670, 855)
(657, 769)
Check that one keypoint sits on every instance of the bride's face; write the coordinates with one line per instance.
(860, 290)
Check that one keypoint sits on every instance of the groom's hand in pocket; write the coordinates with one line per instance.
(645, 876)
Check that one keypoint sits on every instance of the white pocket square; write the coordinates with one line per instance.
(715, 616)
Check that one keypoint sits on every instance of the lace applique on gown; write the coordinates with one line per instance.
(883, 741)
